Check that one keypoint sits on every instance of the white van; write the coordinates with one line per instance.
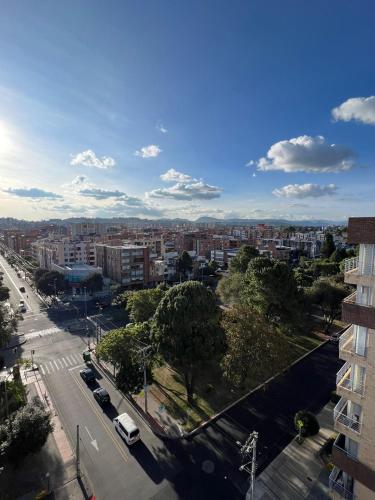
(127, 428)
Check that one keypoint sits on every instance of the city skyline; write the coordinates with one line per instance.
(176, 111)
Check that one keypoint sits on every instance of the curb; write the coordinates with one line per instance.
(260, 386)
(150, 421)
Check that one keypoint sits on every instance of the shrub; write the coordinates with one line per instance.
(335, 398)
(308, 422)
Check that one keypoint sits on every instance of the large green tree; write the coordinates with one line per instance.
(328, 246)
(187, 330)
(8, 324)
(93, 283)
(51, 281)
(4, 293)
(271, 289)
(141, 305)
(184, 263)
(25, 432)
(255, 349)
(327, 294)
(122, 348)
(240, 262)
(230, 288)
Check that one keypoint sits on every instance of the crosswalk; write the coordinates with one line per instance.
(42, 333)
(64, 363)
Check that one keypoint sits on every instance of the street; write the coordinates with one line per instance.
(202, 467)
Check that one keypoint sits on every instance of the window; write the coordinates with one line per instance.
(360, 340)
(123, 429)
(134, 433)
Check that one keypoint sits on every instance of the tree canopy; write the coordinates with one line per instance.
(93, 283)
(187, 330)
(230, 288)
(328, 246)
(184, 263)
(4, 293)
(141, 305)
(255, 349)
(240, 262)
(25, 432)
(50, 281)
(8, 324)
(271, 289)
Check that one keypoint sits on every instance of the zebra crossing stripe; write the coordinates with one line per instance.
(41, 367)
(51, 365)
(46, 367)
(60, 363)
(57, 366)
(71, 360)
(65, 363)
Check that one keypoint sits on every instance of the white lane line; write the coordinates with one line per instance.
(16, 287)
(57, 366)
(75, 367)
(41, 367)
(65, 363)
(52, 368)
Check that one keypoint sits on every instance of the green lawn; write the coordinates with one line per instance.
(213, 394)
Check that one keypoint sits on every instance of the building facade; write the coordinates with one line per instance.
(354, 415)
(63, 252)
(124, 264)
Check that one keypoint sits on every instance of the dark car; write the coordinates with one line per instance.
(102, 396)
(87, 374)
(22, 289)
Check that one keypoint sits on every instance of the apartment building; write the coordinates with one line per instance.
(354, 416)
(124, 264)
(63, 252)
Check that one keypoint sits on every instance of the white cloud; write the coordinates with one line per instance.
(361, 109)
(307, 154)
(100, 194)
(305, 191)
(150, 151)
(89, 159)
(182, 191)
(161, 128)
(34, 193)
(173, 175)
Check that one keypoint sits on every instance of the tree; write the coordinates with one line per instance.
(328, 295)
(338, 255)
(328, 246)
(15, 395)
(8, 324)
(141, 305)
(120, 347)
(38, 273)
(213, 266)
(240, 262)
(25, 432)
(271, 289)
(4, 293)
(187, 330)
(306, 423)
(184, 263)
(303, 277)
(93, 283)
(230, 288)
(255, 350)
(51, 281)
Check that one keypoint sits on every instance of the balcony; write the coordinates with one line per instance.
(345, 421)
(336, 483)
(347, 350)
(351, 264)
(346, 387)
(356, 273)
(354, 310)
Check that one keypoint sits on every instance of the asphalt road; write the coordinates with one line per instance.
(203, 467)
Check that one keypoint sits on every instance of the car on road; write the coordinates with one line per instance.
(127, 428)
(101, 396)
(22, 289)
(22, 306)
(88, 375)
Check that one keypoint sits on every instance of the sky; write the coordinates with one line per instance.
(248, 108)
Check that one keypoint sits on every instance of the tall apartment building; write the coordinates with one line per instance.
(354, 416)
(124, 264)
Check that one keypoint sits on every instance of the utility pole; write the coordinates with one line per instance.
(77, 454)
(249, 450)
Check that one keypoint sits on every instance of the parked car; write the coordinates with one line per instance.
(127, 428)
(101, 396)
(22, 306)
(88, 375)
(22, 289)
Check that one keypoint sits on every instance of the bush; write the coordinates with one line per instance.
(335, 398)
(308, 422)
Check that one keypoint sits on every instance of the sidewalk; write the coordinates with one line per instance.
(298, 472)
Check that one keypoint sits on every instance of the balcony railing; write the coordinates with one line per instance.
(336, 483)
(343, 380)
(351, 264)
(340, 415)
(340, 444)
(346, 343)
(351, 299)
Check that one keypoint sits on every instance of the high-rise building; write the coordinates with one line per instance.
(354, 416)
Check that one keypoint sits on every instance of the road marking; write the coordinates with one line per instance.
(93, 441)
(16, 287)
(65, 363)
(106, 428)
(60, 363)
(57, 366)
(42, 333)
(75, 367)
(41, 367)
(69, 360)
(51, 366)
(77, 359)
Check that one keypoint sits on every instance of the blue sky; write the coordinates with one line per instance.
(182, 109)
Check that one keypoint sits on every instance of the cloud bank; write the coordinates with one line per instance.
(361, 109)
(89, 159)
(305, 191)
